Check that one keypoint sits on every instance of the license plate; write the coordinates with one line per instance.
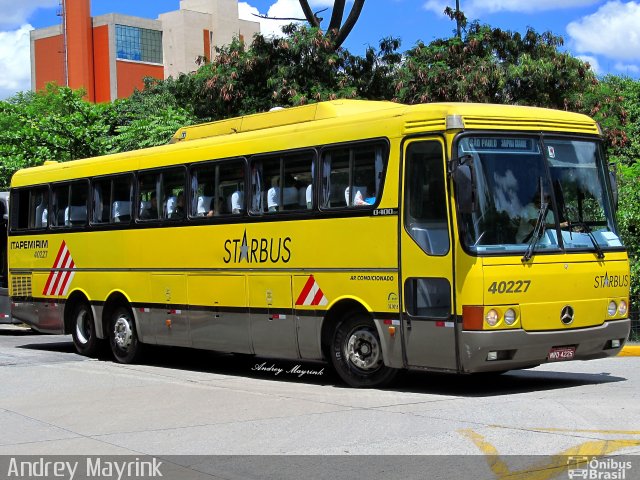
(558, 354)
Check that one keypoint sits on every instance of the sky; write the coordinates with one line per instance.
(603, 32)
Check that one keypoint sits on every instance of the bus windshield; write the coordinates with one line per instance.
(554, 184)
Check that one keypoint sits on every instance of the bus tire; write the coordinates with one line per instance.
(123, 338)
(356, 353)
(83, 331)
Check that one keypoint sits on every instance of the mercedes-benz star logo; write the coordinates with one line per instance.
(566, 315)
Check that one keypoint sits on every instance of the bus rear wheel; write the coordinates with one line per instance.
(83, 331)
(356, 353)
(125, 346)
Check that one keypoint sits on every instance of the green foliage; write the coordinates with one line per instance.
(625, 156)
(373, 74)
(494, 65)
(300, 68)
(149, 119)
(629, 221)
(152, 130)
(55, 124)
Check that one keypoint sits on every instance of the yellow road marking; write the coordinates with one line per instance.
(605, 432)
(542, 470)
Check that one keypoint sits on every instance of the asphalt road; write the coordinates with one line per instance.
(192, 403)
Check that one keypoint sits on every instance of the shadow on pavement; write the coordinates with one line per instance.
(318, 373)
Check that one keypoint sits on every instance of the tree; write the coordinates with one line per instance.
(150, 118)
(300, 68)
(338, 31)
(54, 124)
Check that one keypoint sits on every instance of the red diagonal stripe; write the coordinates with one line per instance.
(305, 291)
(55, 265)
(57, 282)
(65, 278)
(317, 297)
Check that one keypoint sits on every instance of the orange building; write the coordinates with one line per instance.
(110, 55)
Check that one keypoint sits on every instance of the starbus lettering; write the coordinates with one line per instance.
(611, 281)
(257, 250)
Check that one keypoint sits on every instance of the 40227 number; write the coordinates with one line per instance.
(511, 286)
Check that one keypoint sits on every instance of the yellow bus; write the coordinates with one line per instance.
(372, 235)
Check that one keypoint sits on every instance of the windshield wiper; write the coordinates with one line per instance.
(586, 229)
(538, 231)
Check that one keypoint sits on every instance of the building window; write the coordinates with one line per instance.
(140, 44)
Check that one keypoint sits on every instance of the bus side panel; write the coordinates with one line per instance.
(170, 321)
(218, 314)
(273, 326)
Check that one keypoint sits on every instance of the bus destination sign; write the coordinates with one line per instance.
(485, 144)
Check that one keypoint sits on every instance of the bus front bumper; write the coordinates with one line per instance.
(485, 351)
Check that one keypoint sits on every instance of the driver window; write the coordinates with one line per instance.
(425, 197)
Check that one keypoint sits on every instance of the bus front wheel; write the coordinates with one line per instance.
(83, 331)
(356, 353)
(123, 338)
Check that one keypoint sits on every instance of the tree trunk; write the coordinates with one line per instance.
(348, 25)
(337, 31)
(309, 15)
(336, 15)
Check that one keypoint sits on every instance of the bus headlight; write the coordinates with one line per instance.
(492, 318)
(510, 316)
(622, 308)
(612, 308)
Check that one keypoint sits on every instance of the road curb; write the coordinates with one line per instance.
(630, 351)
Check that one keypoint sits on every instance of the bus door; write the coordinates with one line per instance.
(425, 258)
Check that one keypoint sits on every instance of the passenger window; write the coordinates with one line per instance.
(282, 183)
(69, 204)
(39, 208)
(112, 199)
(122, 195)
(161, 195)
(425, 197)
(149, 189)
(217, 189)
(173, 189)
(352, 176)
(29, 208)
(20, 209)
(101, 201)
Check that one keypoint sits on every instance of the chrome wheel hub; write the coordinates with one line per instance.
(363, 350)
(83, 329)
(122, 333)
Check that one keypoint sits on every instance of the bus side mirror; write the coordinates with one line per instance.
(464, 181)
(614, 188)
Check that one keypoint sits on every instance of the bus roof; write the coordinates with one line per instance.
(279, 117)
(399, 119)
